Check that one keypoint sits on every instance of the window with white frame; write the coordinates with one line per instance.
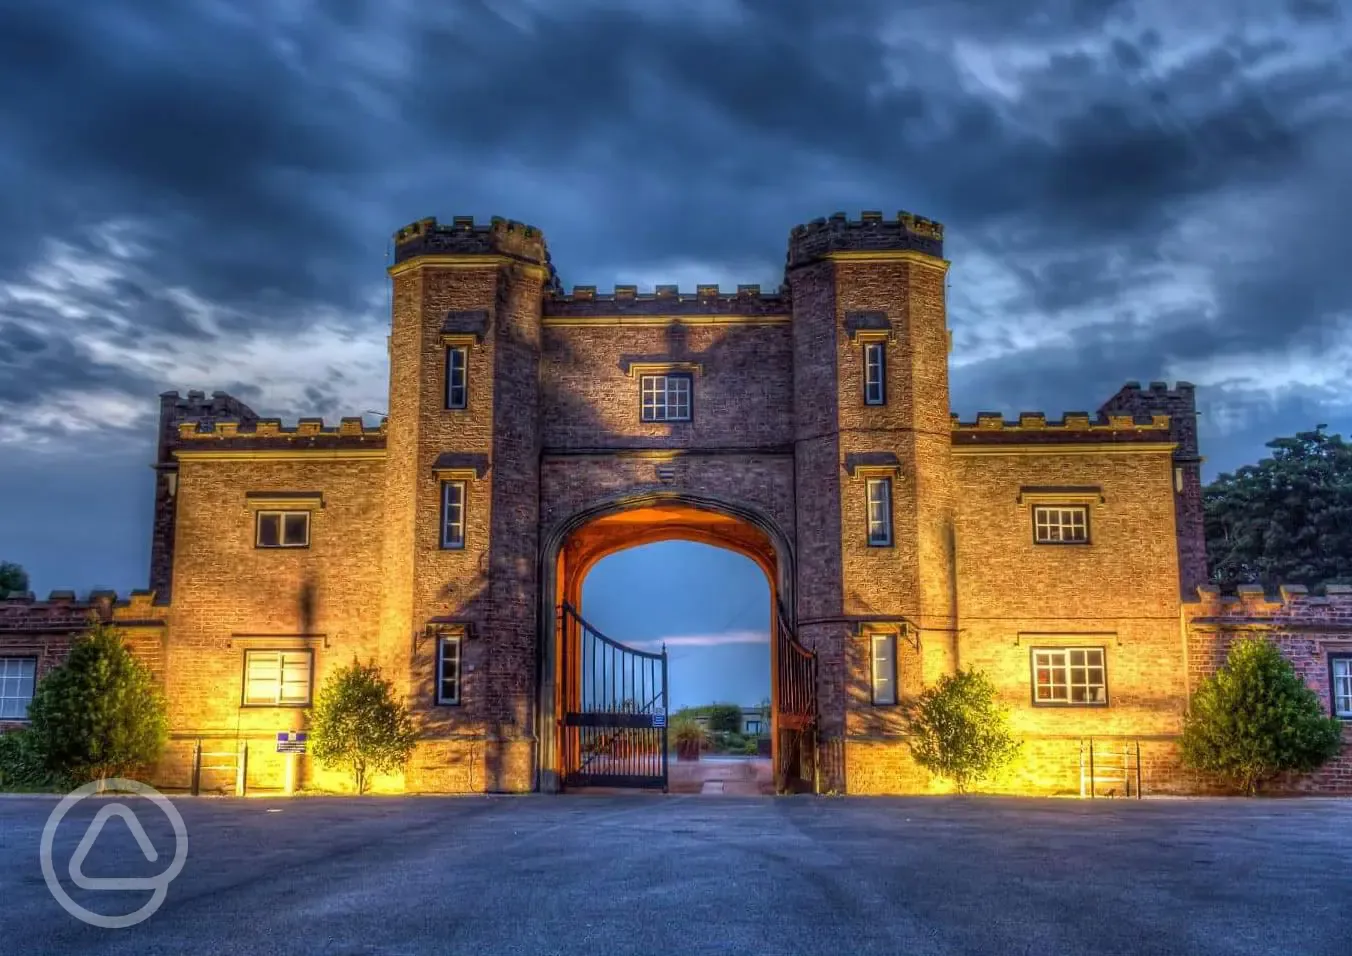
(875, 373)
(879, 493)
(457, 377)
(666, 398)
(1061, 524)
(282, 529)
(1340, 684)
(278, 678)
(1069, 676)
(884, 668)
(448, 669)
(17, 676)
(452, 514)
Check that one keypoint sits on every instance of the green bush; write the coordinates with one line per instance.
(1255, 718)
(98, 715)
(960, 731)
(685, 729)
(357, 724)
(21, 766)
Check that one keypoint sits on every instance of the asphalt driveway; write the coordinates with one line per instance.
(688, 875)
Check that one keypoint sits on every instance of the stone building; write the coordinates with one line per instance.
(531, 431)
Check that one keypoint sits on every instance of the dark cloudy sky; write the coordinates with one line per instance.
(200, 195)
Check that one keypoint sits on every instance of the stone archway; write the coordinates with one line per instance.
(574, 545)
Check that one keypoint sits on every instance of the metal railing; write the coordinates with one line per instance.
(236, 760)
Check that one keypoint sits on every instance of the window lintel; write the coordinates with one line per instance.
(456, 466)
(465, 340)
(1069, 495)
(635, 369)
(284, 500)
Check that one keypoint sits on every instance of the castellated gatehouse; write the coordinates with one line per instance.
(531, 429)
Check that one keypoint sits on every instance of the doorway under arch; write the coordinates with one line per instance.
(576, 544)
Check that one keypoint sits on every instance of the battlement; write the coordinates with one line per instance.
(869, 233)
(269, 432)
(63, 612)
(748, 300)
(464, 237)
(1073, 427)
(1179, 403)
(1293, 606)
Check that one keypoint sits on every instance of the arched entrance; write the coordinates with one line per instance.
(580, 709)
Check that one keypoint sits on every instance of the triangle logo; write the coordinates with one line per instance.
(123, 812)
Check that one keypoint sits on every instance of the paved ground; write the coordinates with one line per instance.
(690, 875)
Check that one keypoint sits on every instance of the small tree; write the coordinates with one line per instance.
(100, 714)
(1255, 718)
(960, 731)
(357, 724)
(12, 578)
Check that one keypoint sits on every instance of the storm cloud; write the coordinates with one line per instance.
(200, 194)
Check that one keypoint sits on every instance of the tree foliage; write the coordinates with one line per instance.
(1287, 519)
(100, 714)
(960, 731)
(358, 725)
(1255, 718)
(12, 578)
(719, 717)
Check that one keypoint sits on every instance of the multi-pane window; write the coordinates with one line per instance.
(879, 511)
(666, 398)
(1340, 684)
(448, 669)
(16, 686)
(875, 374)
(452, 514)
(277, 678)
(1061, 524)
(283, 529)
(884, 654)
(752, 727)
(1069, 676)
(457, 377)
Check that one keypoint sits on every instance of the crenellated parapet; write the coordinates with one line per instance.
(64, 613)
(991, 428)
(666, 300)
(263, 434)
(462, 236)
(1292, 607)
(871, 232)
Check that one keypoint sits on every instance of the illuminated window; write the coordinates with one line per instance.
(1061, 524)
(879, 512)
(884, 668)
(453, 514)
(448, 669)
(1340, 684)
(283, 529)
(1069, 676)
(457, 377)
(277, 678)
(875, 374)
(16, 686)
(666, 398)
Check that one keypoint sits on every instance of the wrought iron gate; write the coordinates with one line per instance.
(796, 716)
(614, 730)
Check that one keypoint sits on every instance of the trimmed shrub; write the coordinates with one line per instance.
(960, 731)
(1255, 718)
(357, 724)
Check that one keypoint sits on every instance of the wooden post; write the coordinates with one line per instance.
(197, 767)
(292, 768)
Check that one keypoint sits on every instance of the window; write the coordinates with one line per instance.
(448, 669)
(277, 678)
(1340, 684)
(457, 377)
(283, 529)
(1061, 524)
(884, 668)
(666, 398)
(752, 727)
(1069, 676)
(879, 512)
(452, 514)
(875, 374)
(16, 686)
